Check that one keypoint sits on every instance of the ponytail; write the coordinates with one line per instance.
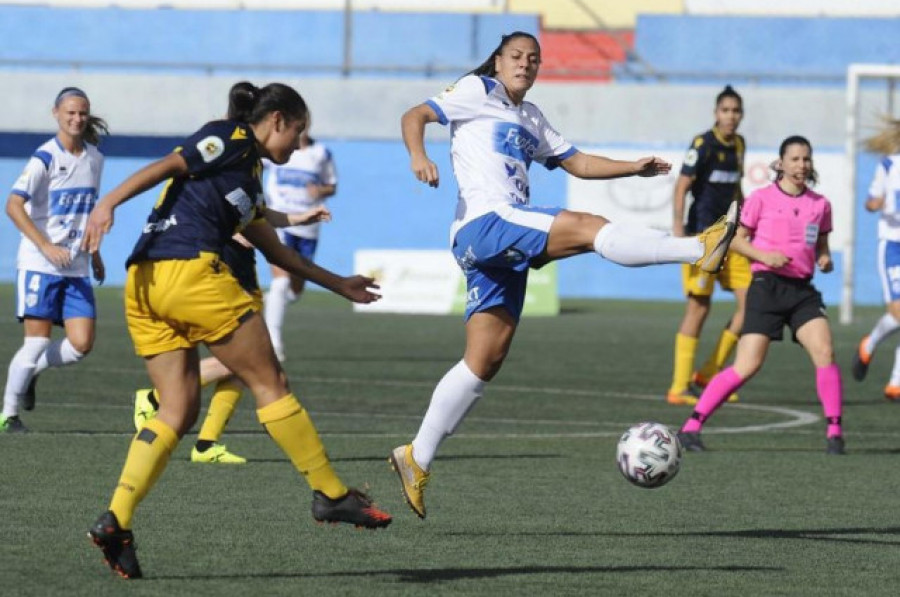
(250, 104)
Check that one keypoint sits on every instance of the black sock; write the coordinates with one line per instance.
(153, 401)
(203, 445)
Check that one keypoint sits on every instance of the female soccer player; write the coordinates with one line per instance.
(712, 172)
(303, 183)
(60, 185)
(179, 293)
(497, 235)
(240, 257)
(884, 196)
(784, 232)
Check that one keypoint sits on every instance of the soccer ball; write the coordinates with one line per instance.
(649, 454)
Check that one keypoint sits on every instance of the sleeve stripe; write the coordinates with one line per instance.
(21, 193)
(554, 161)
(442, 118)
(44, 157)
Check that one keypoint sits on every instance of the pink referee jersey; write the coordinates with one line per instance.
(792, 225)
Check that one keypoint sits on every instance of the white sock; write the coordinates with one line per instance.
(632, 245)
(58, 354)
(453, 398)
(886, 326)
(895, 372)
(276, 302)
(21, 370)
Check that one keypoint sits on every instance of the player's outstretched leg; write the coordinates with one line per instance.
(290, 426)
(716, 239)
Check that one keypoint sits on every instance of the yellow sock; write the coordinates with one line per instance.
(685, 349)
(290, 426)
(725, 346)
(147, 458)
(220, 410)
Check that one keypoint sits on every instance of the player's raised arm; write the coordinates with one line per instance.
(102, 219)
(413, 128)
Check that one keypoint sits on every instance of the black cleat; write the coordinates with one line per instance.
(835, 446)
(117, 545)
(691, 442)
(28, 396)
(354, 508)
(861, 360)
(12, 424)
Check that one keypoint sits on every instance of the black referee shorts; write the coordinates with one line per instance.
(775, 301)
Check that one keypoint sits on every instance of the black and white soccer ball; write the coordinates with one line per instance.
(649, 454)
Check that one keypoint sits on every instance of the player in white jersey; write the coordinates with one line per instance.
(49, 204)
(497, 234)
(300, 185)
(884, 196)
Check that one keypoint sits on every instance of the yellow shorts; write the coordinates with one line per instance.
(179, 303)
(735, 275)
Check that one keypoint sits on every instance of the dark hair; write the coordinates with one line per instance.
(729, 92)
(249, 103)
(487, 68)
(95, 125)
(794, 140)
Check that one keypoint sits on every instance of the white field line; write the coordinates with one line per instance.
(794, 418)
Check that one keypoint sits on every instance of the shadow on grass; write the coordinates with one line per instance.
(806, 534)
(384, 458)
(429, 575)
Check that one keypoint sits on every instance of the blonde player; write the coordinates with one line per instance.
(884, 197)
(49, 204)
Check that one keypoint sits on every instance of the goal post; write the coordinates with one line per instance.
(856, 75)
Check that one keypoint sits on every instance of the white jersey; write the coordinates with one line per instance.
(286, 184)
(886, 183)
(60, 190)
(493, 142)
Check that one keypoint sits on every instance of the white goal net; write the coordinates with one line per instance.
(873, 91)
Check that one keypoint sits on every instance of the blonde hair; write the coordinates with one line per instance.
(886, 142)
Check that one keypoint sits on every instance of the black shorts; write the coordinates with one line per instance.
(774, 301)
(242, 261)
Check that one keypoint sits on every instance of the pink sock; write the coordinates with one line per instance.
(831, 393)
(719, 389)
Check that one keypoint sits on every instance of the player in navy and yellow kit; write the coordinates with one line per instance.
(240, 257)
(180, 293)
(712, 172)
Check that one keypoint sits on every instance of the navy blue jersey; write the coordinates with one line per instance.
(221, 194)
(716, 167)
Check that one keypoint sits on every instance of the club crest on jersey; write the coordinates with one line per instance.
(210, 148)
(447, 91)
(690, 158)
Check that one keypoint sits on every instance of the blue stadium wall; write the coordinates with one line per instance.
(379, 205)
